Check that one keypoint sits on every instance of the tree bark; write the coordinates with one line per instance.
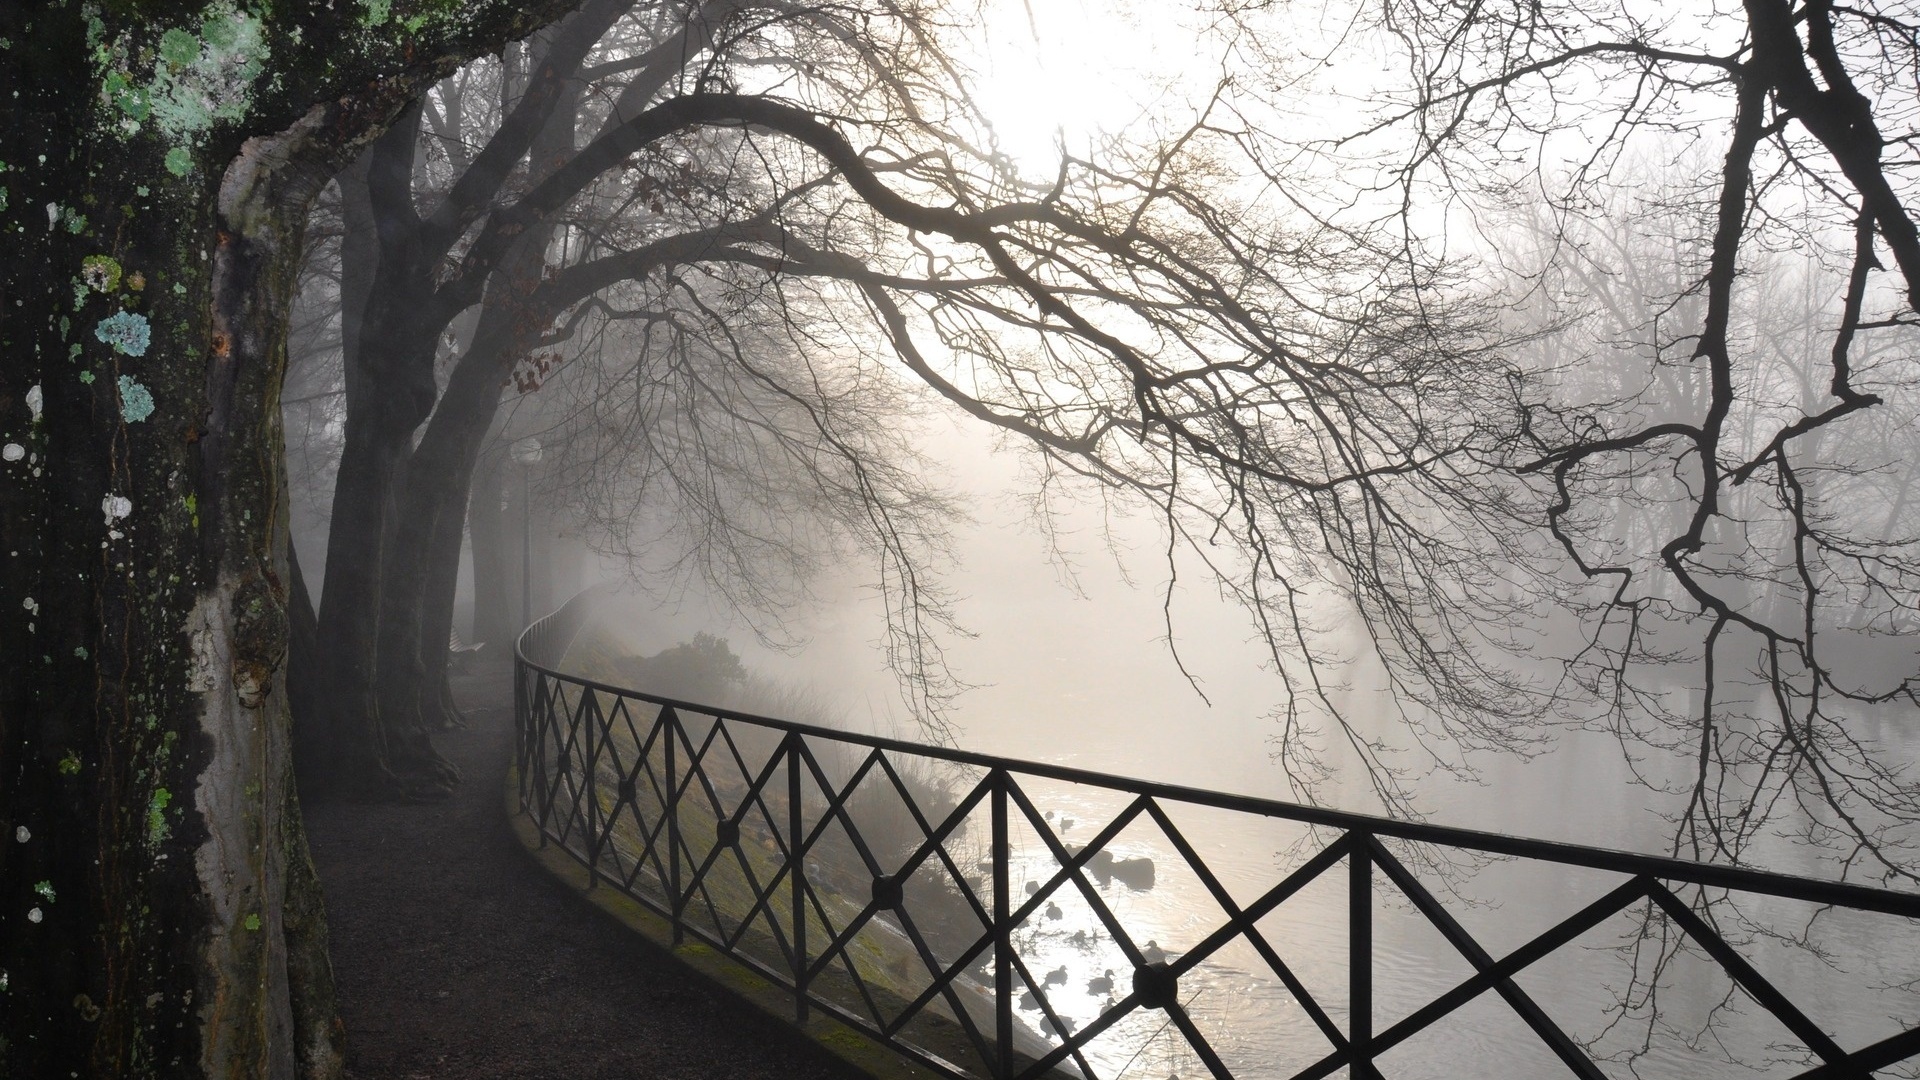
(419, 584)
(436, 616)
(151, 847)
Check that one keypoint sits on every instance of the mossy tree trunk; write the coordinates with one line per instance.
(158, 912)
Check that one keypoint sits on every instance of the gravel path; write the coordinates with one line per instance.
(458, 957)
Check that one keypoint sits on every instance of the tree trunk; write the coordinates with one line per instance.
(419, 585)
(436, 616)
(162, 916)
(389, 354)
(493, 599)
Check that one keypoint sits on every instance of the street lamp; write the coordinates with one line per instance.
(527, 452)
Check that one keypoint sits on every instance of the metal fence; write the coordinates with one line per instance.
(878, 880)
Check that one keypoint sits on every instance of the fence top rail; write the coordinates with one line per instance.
(1666, 868)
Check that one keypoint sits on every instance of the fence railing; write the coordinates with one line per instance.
(880, 881)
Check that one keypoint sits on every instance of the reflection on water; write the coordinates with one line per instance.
(1631, 990)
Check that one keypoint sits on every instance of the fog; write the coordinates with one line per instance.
(1204, 417)
(1068, 660)
(1076, 647)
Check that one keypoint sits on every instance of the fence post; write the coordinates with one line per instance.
(536, 768)
(1360, 954)
(669, 722)
(798, 872)
(588, 712)
(1002, 934)
(520, 726)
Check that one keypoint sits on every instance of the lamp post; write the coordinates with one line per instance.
(527, 452)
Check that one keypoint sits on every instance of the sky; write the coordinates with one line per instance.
(1070, 70)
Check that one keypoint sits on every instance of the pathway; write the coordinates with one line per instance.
(458, 957)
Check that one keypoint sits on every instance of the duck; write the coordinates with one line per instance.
(1153, 953)
(1057, 977)
(1053, 910)
(1101, 983)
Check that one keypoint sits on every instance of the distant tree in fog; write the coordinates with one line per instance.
(702, 670)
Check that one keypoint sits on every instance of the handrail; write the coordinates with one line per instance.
(551, 634)
(571, 748)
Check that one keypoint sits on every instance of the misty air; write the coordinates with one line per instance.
(959, 540)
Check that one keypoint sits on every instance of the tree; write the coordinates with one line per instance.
(161, 916)
(399, 507)
(1142, 244)
(1762, 555)
(393, 320)
(704, 669)
(396, 527)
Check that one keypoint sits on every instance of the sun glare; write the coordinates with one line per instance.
(1064, 72)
